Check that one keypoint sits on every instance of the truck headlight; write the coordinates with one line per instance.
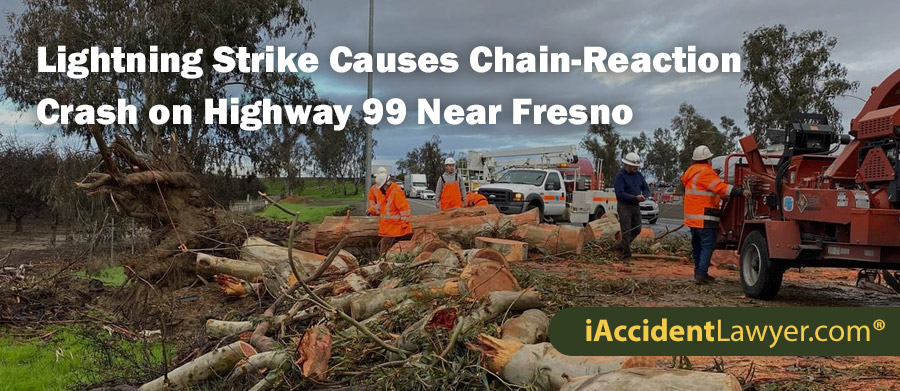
(518, 197)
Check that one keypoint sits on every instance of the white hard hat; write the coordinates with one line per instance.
(449, 160)
(702, 153)
(381, 176)
(632, 159)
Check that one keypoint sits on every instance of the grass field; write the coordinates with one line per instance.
(316, 189)
(60, 358)
(308, 213)
(323, 201)
(113, 276)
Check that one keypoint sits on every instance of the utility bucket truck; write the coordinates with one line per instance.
(552, 179)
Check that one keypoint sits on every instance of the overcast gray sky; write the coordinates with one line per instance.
(865, 31)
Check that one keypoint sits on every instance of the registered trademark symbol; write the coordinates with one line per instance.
(879, 325)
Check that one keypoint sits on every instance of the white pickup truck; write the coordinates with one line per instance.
(522, 189)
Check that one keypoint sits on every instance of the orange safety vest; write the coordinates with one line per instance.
(702, 191)
(451, 196)
(394, 212)
(372, 205)
(475, 199)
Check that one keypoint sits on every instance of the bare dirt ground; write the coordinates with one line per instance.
(657, 283)
(54, 294)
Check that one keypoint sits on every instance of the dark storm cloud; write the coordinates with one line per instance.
(627, 26)
(866, 46)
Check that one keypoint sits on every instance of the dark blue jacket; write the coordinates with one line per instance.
(628, 186)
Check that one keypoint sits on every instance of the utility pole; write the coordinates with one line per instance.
(369, 128)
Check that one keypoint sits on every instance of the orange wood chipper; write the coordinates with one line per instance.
(814, 207)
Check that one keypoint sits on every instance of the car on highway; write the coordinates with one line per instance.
(426, 194)
(650, 211)
(649, 208)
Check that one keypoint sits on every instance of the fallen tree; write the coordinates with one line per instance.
(362, 231)
(160, 190)
(555, 239)
(529, 328)
(441, 307)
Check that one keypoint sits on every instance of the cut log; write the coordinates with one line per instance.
(466, 229)
(406, 250)
(512, 250)
(210, 265)
(483, 276)
(444, 263)
(315, 351)
(653, 379)
(402, 247)
(498, 303)
(540, 365)
(528, 328)
(555, 239)
(267, 253)
(606, 227)
(276, 270)
(424, 236)
(490, 254)
(272, 380)
(216, 362)
(217, 329)
(362, 231)
(433, 245)
(260, 362)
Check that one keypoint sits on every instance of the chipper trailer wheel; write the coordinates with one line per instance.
(760, 275)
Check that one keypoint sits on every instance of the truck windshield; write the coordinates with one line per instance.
(419, 184)
(528, 177)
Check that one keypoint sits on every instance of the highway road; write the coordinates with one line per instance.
(423, 207)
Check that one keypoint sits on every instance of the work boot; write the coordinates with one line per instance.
(700, 280)
(710, 279)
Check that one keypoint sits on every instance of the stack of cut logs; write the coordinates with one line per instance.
(327, 294)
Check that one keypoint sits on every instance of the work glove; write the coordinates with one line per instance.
(736, 191)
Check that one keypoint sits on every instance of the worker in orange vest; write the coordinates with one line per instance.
(450, 191)
(372, 205)
(703, 191)
(475, 199)
(393, 211)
